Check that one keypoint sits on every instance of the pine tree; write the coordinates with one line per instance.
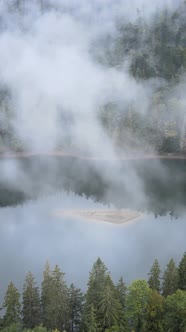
(121, 290)
(154, 279)
(12, 305)
(46, 294)
(59, 300)
(90, 320)
(76, 300)
(31, 303)
(54, 298)
(110, 308)
(136, 303)
(154, 313)
(170, 279)
(182, 273)
(175, 312)
(96, 287)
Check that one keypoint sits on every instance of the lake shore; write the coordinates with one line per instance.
(119, 156)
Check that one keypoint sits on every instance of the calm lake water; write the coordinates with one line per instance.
(30, 233)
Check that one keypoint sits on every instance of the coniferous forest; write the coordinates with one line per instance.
(157, 304)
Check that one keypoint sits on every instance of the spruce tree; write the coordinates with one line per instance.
(109, 308)
(76, 300)
(153, 316)
(121, 290)
(182, 273)
(154, 277)
(90, 320)
(59, 300)
(46, 295)
(170, 279)
(96, 287)
(54, 298)
(12, 306)
(31, 303)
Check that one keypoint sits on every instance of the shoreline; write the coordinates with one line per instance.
(19, 155)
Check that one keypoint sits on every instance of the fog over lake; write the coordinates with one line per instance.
(30, 234)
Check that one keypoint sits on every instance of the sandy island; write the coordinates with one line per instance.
(114, 216)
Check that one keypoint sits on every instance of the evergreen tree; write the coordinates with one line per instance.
(31, 303)
(59, 300)
(46, 294)
(154, 276)
(90, 320)
(136, 304)
(12, 306)
(121, 290)
(110, 308)
(175, 312)
(54, 298)
(76, 300)
(182, 273)
(154, 313)
(96, 287)
(170, 278)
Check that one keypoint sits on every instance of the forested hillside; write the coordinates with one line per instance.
(155, 305)
(152, 51)
(155, 50)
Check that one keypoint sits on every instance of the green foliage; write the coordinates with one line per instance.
(154, 313)
(170, 279)
(121, 291)
(31, 303)
(136, 303)
(12, 306)
(182, 273)
(154, 276)
(54, 297)
(109, 308)
(175, 312)
(15, 327)
(76, 301)
(39, 328)
(90, 320)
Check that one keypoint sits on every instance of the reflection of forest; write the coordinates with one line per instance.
(163, 182)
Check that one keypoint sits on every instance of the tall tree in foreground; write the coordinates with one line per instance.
(31, 303)
(121, 291)
(175, 312)
(154, 277)
(76, 300)
(110, 308)
(12, 306)
(136, 303)
(170, 279)
(154, 313)
(90, 320)
(46, 294)
(182, 273)
(59, 301)
(96, 287)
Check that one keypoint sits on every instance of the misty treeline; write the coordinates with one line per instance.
(156, 305)
(153, 49)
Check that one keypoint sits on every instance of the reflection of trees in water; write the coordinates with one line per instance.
(164, 187)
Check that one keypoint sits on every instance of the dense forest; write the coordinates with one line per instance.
(155, 305)
(155, 51)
